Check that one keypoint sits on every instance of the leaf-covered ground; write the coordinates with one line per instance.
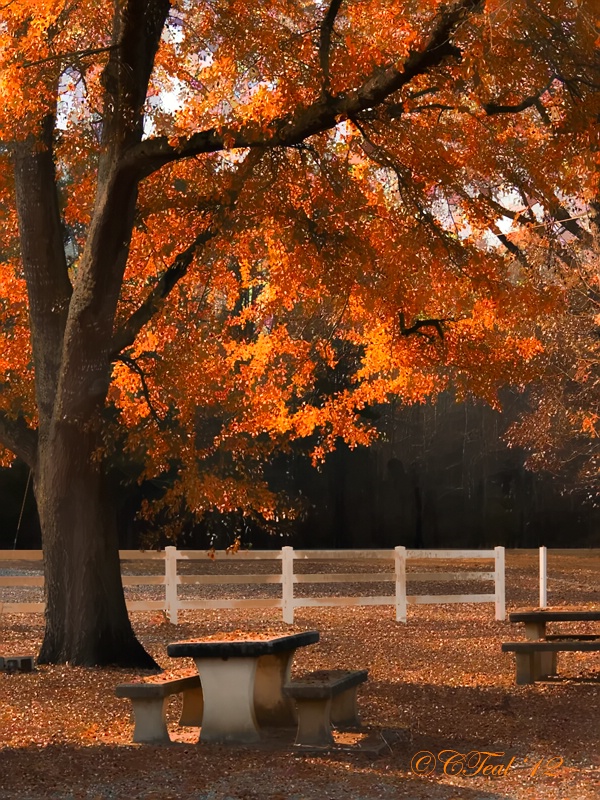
(437, 683)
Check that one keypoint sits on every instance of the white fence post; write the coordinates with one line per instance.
(171, 583)
(400, 582)
(287, 584)
(499, 583)
(543, 577)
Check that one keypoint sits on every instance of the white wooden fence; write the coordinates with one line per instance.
(582, 553)
(397, 574)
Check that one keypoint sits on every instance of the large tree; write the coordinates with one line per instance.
(213, 209)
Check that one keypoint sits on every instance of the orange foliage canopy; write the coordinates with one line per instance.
(271, 216)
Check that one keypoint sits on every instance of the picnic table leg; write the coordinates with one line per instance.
(191, 708)
(228, 690)
(271, 705)
(544, 664)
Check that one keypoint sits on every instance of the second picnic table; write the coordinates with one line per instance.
(539, 660)
(242, 683)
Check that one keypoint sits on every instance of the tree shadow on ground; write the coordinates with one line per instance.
(548, 715)
(210, 772)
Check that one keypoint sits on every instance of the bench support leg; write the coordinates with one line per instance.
(314, 727)
(545, 665)
(149, 717)
(272, 706)
(192, 707)
(525, 668)
(344, 709)
(535, 630)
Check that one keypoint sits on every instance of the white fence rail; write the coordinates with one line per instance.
(396, 574)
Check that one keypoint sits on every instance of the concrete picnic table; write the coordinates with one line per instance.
(242, 683)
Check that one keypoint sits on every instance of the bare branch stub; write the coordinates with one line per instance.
(434, 323)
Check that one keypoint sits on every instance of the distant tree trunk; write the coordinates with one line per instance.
(418, 502)
(86, 617)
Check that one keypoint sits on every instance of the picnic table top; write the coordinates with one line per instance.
(241, 648)
(555, 615)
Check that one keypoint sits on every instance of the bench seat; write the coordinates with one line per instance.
(323, 698)
(576, 637)
(149, 699)
(529, 667)
(555, 615)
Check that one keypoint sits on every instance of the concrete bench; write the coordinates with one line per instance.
(149, 699)
(529, 667)
(324, 698)
(17, 663)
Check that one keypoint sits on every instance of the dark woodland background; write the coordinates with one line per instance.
(441, 475)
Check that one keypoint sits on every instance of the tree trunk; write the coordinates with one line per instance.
(72, 342)
(86, 617)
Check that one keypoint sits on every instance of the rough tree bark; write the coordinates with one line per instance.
(86, 617)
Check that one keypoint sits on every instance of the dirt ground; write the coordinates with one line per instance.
(439, 688)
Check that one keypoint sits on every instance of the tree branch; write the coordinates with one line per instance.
(44, 262)
(135, 367)
(324, 114)
(127, 333)
(496, 206)
(325, 42)
(90, 51)
(558, 212)
(595, 215)
(406, 188)
(19, 438)
(562, 215)
(152, 305)
(512, 248)
(529, 102)
(84, 377)
(137, 28)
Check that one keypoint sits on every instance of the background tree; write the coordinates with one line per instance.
(214, 201)
(560, 429)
